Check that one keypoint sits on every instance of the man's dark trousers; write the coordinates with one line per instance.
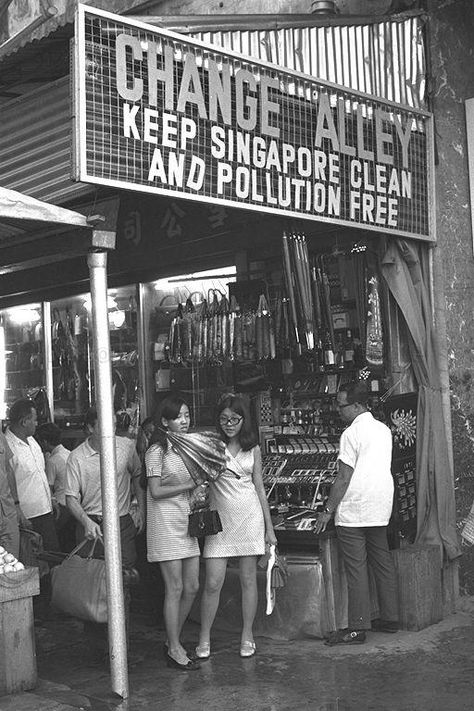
(361, 547)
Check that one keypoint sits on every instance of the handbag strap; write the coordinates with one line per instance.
(81, 545)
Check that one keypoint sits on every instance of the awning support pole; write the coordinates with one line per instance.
(97, 262)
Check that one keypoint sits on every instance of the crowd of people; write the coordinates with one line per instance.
(57, 493)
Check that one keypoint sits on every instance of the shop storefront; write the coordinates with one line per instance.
(273, 238)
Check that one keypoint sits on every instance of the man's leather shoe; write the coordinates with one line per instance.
(345, 637)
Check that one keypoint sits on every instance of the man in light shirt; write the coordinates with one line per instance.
(27, 463)
(84, 492)
(84, 500)
(361, 499)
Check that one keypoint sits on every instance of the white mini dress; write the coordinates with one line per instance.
(236, 500)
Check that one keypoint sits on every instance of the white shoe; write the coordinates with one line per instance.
(247, 649)
(203, 651)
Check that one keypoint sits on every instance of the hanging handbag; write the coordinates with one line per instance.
(204, 522)
(79, 586)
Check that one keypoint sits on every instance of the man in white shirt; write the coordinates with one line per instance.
(27, 462)
(361, 499)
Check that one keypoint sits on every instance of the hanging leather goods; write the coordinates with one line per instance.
(250, 324)
(203, 325)
(231, 334)
(186, 330)
(225, 327)
(237, 328)
(175, 337)
(211, 327)
(196, 326)
(374, 347)
(217, 341)
(262, 328)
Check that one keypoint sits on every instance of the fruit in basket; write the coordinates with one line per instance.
(8, 562)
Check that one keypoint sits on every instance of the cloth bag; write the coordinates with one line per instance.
(79, 586)
(204, 522)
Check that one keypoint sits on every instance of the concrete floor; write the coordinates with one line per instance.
(430, 670)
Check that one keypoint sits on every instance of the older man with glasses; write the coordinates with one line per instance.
(361, 499)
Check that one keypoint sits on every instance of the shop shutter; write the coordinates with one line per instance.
(36, 144)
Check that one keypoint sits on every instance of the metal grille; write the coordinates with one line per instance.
(326, 153)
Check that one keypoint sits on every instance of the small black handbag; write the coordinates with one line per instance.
(204, 522)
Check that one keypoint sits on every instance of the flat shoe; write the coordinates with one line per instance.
(190, 655)
(192, 665)
(203, 651)
(247, 649)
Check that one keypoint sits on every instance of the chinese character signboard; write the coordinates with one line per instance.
(160, 113)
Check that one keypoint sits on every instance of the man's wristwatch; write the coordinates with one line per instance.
(326, 510)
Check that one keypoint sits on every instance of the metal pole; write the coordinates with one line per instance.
(47, 355)
(97, 262)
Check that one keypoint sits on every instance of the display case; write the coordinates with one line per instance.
(73, 381)
(22, 355)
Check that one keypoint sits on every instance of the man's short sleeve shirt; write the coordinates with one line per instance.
(366, 446)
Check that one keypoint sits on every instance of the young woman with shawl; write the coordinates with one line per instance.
(178, 466)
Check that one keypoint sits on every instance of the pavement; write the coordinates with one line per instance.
(428, 670)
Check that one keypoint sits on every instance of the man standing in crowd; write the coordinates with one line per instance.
(56, 455)
(84, 500)
(361, 499)
(9, 531)
(83, 487)
(27, 462)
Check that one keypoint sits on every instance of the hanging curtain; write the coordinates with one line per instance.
(405, 269)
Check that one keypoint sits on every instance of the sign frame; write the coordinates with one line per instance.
(79, 168)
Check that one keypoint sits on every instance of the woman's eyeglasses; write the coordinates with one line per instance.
(232, 421)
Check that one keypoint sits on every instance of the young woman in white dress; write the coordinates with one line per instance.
(170, 494)
(239, 496)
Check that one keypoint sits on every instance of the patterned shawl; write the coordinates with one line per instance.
(203, 454)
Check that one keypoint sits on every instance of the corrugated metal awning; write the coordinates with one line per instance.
(384, 57)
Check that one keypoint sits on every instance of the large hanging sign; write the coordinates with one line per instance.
(161, 113)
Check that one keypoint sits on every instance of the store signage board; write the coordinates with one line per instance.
(161, 113)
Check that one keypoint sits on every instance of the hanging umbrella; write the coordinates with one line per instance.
(277, 574)
(290, 292)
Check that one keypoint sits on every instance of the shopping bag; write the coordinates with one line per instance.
(79, 586)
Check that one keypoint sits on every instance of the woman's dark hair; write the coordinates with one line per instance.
(169, 408)
(247, 435)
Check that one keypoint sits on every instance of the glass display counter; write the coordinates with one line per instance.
(73, 359)
(22, 356)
